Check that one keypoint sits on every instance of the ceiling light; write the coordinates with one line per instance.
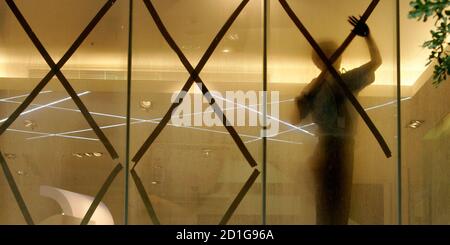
(88, 154)
(20, 172)
(77, 155)
(206, 152)
(145, 104)
(155, 182)
(415, 123)
(98, 154)
(29, 124)
(225, 50)
(233, 37)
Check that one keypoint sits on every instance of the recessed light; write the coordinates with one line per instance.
(29, 124)
(206, 152)
(415, 123)
(98, 154)
(88, 154)
(233, 37)
(155, 182)
(226, 50)
(20, 172)
(77, 155)
(145, 104)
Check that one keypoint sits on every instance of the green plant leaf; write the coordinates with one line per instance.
(422, 10)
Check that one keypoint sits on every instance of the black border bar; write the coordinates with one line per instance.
(369, 234)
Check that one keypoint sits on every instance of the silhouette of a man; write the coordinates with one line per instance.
(329, 108)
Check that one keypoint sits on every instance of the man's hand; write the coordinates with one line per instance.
(361, 29)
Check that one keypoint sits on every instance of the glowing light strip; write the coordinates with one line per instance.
(215, 131)
(269, 116)
(47, 105)
(89, 129)
(311, 124)
(74, 110)
(255, 138)
(75, 131)
(276, 140)
(137, 122)
(386, 104)
(292, 129)
(156, 120)
(21, 96)
(231, 108)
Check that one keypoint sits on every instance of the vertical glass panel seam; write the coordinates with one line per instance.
(127, 143)
(399, 123)
(264, 145)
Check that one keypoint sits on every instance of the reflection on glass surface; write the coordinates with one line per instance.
(75, 206)
(52, 142)
(191, 174)
(426, 155)
(330, 178)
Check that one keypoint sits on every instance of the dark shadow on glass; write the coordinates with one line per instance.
(329, 64)
(329, 108)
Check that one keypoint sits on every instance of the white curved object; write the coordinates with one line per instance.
(76, 204)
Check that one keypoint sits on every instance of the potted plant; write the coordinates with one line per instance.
(438, 10)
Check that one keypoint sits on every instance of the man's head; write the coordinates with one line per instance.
(328, 47)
